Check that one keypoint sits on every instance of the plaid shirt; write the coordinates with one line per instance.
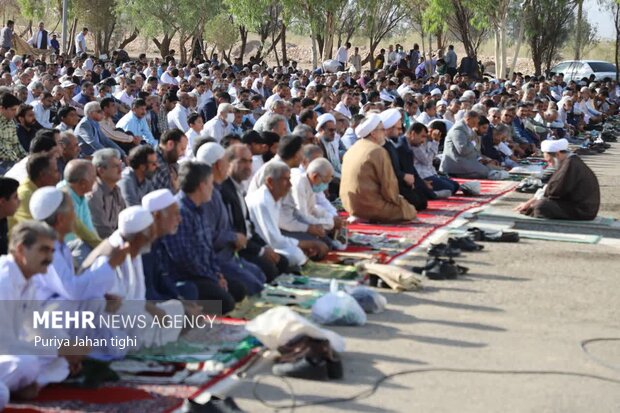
(191, 248)
(166, 174)
(10, 148)
(162, 120)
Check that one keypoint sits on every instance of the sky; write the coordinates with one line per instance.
(603, 19)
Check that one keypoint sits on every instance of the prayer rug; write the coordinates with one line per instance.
(440, 213)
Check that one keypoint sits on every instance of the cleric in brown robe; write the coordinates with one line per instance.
(368, 186)
(572, 192)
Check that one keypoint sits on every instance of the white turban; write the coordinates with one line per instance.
(323, 119)
(44, 202)
(369, 124)
(390, 117)
(436, 92)
(553, 146)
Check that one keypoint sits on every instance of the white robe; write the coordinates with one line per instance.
(265, 213)
(130, 284)
(306, 201)
(17, 370)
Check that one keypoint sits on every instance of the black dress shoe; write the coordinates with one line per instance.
(464, 244)
(498, 236)
(443, 270)
(443, 250)
(303, 368)
(214, 405)
(430, 263)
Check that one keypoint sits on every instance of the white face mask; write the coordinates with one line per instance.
(230, 118)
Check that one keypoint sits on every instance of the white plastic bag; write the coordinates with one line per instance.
(371, 301)
(339, 308)
(278, 326)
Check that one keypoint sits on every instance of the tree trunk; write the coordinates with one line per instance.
(243, 34)
(329, 36)
(319, 41)
(98, 42)
(283, 43)
(71, 49)
(164, 45)
(579, 33)
(518, 47)
(315, 55)
(498, 69)
(28, 29)
(133, 36)
(617, 24)
(502, 47)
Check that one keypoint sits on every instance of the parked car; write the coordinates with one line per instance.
(578, 69)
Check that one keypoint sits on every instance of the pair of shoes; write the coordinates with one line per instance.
(443, 250)
(310, 368)
(214, 405)
(440, 269)
(498, 236)
(529, 186)
(464, 244)
(377, 282)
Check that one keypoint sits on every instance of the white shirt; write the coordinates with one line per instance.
(425, 118)
(191, 138)
(166, 78)
(423, 157)
(18, 171)
(270, 100)
(306, 201)
(264, 214)
(340, 107)
(88, 64)
(342, 54)
(80, 43)
(125, 98)
(41, 114)
(216, 128)
(177, 117)
(37, 39)
(259, 176)
(61, 278)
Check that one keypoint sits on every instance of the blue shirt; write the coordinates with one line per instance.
(191, 248)
(216, 215)
(139, 127)
(82, 211)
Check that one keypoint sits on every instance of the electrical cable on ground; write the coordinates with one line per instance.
(375, 386)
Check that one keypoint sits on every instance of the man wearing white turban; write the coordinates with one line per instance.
(572, 192)
(369, 188)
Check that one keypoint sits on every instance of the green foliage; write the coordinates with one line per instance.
(32, 9)
(222, 32)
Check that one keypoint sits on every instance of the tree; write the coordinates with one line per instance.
(587, 33)
(547, 27)
(381, 17)
(459, 17)
(494, 13)
(613, 6)
(100, 18)
(222, 33)
(579, 27)
(258, 16)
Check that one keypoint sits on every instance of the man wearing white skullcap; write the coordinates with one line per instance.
(55, 208)
(226, 241)
(135, 227)
(159, 281)
(391, 120)
(572, 192)
(369, 188)
(325, 139)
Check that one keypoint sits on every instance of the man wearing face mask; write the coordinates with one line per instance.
(369, 188)
(221, 125)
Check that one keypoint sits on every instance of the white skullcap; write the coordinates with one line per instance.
(67, 83)
(369, 124)
(158, 200)
(477, 85)
(436, 92)
(210, 153)
(553, 146)
(134, 219)
(441, 102)
(323, 119)
(390, 117)
(342, 111)
(44, 202)
(454, 88)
